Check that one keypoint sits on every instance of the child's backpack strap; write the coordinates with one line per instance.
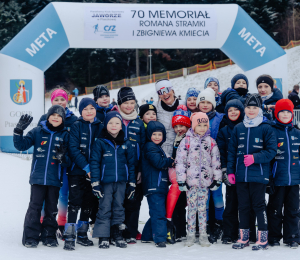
(187, 143)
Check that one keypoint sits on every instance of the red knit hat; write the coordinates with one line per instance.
(181, 117)
(284, 104)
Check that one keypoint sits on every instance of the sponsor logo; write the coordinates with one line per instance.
(40, 150)
(261, 140)
(296, 144)
(281, 138)
(256, 140)
(295, 157)
(257, 146)
(242, 133)
(57, 145)
(295, 151)
(279, 157)
(132, 133)
(107, 154)
(280, 144)
(21, 91)
(124, 147)
(45, 137)
(84, 133)
(132, 139)
(239, 153)
(40, 155)
(294, 138)
(72, 186)
(242, 138)
(83, 145)
(54, 158)
(83, 138)
(279, 152)
(241, 146)
(43, 143)
(52, 163)
(134, 127)
(294, 163)
(56, 138)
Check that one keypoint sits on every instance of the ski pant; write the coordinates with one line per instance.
(251, 195)
(218, 203)
(286, 197)
(132, 212)
(32, 224)
(179, 216)
(80, 197)
(231, 216)
(196, 199)
(155, 228)
(111, 211)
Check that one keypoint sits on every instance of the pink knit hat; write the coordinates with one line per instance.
(198, 118)
(59, 93)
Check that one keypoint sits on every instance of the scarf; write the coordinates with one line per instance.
(129, 117)
(266, 97)
(255, 121)
(119, 140)
(55, 129)
(211, 114)
(218, 99)
(171, 108)
(242, 91)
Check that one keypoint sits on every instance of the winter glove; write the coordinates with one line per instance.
(215, 185)
(248, 160)
(183, 186)
(270, 186)
(231, 178)
(60, 153)
(225, 177)
(23, 123)
(130, 191)
(97, 189)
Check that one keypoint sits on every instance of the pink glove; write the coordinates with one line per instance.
(231, 178)
(248, 160)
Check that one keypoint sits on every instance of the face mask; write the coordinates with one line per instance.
(242, 91)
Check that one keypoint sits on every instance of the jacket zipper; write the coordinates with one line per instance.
(34, 167)
(288, 141)
(138, 150)
(90, 141)
(116, 163)
(59, 171)
(274, 170)
(237, 161)
(246, 171)
(261, 171)
(159, 179)
(45, 177)
(103, 172)
(126, 170)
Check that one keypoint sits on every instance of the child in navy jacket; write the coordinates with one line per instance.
(252, 147)
(50, 140)
(102, 98)
(112, 167)
(155, 165)
(285, 178)
(82, 136)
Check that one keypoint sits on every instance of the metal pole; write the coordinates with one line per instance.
(150, 56)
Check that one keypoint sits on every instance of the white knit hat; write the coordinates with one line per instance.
(163, 83)
(207, 94)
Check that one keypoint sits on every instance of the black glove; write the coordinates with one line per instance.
(215, 185)
(270, 186)
(23, 123)
(225, 177)
(60, 152)
(97, 189)
(130, 191)
(183, 186)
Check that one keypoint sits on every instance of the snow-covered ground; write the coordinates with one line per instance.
(15, 194)
(224, 75)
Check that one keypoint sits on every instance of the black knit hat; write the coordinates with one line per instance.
(265, 79)
(58, 110)
(125, 94)
(253, 100)
(145, 108)
(99, 91)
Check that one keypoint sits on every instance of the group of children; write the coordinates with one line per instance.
(118, 155)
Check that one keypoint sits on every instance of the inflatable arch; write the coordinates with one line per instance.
(60, 26)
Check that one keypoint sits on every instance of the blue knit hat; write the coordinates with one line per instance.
(85, 102)
(192, 92)
(111, 115)
(211, 79)
(237, 77)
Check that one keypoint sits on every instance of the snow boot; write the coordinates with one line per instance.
(227, 241)
(262, 241)
(50, 242)
(171, 232)
(138, 236)
(69, 236)
(243, 241)
(218, 230)
(103, 243)
(60, 232)
(31, 243)
(274, 243)
(82, 238)
(190, 239)
(131, 241)
(161, 244)
(117, 238)
(293, 245)
(203, 240)
(211, 238)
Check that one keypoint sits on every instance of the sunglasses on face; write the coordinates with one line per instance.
(164, 90)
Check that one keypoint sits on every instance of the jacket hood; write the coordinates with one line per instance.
(237, 104)
(154, 126)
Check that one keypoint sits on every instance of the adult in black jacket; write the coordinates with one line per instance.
(112, 166)
(286, 178)
(50, 140)
(251, 148)
(234, 114)
(155, 165)
(294, 97)
(82, 136)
